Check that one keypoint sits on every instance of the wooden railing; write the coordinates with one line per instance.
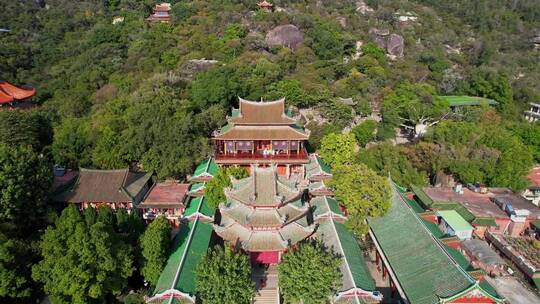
(301, 155)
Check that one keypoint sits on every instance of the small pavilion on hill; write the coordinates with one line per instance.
(264, 215)
(9, 94)
(160, 13)
(260, 132)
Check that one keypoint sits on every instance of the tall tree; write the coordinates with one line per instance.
(414, 106)
(81, 263)
(213, 190)
(224, 276)
(338, 149)
(309, 274)
(155, 245)
(25, 182)
(362, 192)
(15, 270)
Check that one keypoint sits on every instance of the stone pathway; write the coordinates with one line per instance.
(266, 281)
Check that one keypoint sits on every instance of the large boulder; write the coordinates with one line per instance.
(395, 45)
(286, 35)
(379, 36)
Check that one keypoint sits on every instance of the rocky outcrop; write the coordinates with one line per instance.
(286, 35)
(194, 66)
(363, 8)
(395, 45)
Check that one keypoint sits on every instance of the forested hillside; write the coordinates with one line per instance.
(114, 90)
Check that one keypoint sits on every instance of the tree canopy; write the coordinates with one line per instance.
(155, 245)
(82, 263)
(213, 191)
(362, 192)
(309, 273)
(338, 149)
(224, 276)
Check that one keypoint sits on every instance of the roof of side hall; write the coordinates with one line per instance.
(424, 270)
(105, 186)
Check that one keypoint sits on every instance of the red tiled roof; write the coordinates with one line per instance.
(264, 3)
(9, 92)
(534, 176)
(166, 194)
(262, 113)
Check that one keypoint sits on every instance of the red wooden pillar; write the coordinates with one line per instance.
(385, 272)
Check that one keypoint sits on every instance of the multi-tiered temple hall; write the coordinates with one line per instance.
(264, 215)
(262, 133)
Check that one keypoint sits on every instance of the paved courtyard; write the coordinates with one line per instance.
(513, 290)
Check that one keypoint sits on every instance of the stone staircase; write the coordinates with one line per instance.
(266, 281)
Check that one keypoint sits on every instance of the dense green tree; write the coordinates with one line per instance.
(213, 190)
(25, 182)
(414, 106)
(327, 41)
(224, 276)
(155, 245)
(72, 143)
(365, 132)
(82, 263)
(338, 149)
(389, 160)
(25, 128)
(309, 273)
(15, 268)
(530, 136)
(362, 192)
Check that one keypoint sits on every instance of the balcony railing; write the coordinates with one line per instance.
(301, 155)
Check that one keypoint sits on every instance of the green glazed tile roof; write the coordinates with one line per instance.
(207, 167)
(454, 101)
(196, 187)
(415, 206)
(423, 269)
(196, 250)
(489, 289)
(199, 204)
(484, 221)
(459, 258)
(166, 279)
(354, 270)
(454, 220)
(465, 214)
(324, 167)
(536, 224)
(433, 228)
(423, 198)
(324, 204)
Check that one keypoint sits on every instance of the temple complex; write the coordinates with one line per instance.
(264, 215)
(160, 13)
(9, 94)
(262, 133)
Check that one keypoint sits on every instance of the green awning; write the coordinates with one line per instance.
(458, 101)
(423, 198)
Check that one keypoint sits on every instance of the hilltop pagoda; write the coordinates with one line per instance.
(265, 6)
(160, 13)
(262, 133)
(264, 215)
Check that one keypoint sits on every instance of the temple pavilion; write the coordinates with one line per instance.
(261, 132)
(160, 13)
(264, 215)
(9, 93)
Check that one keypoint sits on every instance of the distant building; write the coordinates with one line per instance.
(533, 114)
(262, 133)
(456, 103)
(482, 256)
(532, 193)
(113, 188)
(265, 6)
(160, 13)
(11, 94)
(453, 224)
